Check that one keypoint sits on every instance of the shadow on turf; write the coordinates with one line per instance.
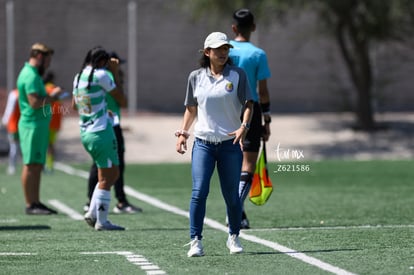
(304, 251)
(163, 229)
(24, 227)
(378, 142)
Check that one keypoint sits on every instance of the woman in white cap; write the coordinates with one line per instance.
(217, 93)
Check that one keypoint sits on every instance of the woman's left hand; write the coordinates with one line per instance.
(239, 135)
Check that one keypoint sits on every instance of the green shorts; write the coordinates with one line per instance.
(34, 143)
(102, 147)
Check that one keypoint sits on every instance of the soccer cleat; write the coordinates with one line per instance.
(108, 226)
(196, 248)
(234, 245)
(39, 209)
(126, 208)
(91, 221)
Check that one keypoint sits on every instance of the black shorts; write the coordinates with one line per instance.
(255, 133)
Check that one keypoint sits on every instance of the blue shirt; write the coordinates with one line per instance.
(253, 61)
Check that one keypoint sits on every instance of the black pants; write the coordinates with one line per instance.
(254, 135)
(119, 184)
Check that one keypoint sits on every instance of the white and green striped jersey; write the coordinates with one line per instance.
(91, 103)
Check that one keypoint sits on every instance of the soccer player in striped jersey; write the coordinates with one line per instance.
(97, 134)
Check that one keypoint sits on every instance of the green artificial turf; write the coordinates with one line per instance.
(354, 215)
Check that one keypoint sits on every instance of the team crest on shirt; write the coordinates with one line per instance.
(229, 87)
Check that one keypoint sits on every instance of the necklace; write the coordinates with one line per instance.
(216, 73)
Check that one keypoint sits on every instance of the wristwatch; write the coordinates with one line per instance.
(267, 119)
(246, 125)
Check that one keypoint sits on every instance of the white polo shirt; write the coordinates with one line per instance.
(219, 101)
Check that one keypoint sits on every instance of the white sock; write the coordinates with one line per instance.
(92, 204)
(103, 199)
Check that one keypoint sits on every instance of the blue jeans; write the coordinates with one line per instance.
(228, 158)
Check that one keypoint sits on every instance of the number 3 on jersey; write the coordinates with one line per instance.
(84, 105)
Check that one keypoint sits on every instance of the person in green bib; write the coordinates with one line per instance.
(34, 104)
(91, 85)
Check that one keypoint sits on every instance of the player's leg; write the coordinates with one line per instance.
(251, 148)
(123, 205)
(228, 167)
(102, 197)
(103, 149)
(34, 143)
(13, 152)
(31, 183)
(92, 182)
(50, 157)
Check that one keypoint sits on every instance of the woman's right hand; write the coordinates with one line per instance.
(181, 146)
(113, 65)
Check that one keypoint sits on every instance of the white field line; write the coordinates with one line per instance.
(66, 209)
(135, 259)
(9, 221)
(214, 224)
(379, 226)
(70, 170)
(16, 254)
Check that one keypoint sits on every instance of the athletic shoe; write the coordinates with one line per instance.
(39, 209)
(86, 207)
(108, 226)
(196, 248)
(48, 171)
(35, 210)
(11, 170)
(234, 245)
(52, 211)
(126, 208)
(244, 222)
(90, 220)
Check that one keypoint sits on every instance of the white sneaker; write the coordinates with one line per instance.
(86, 207)
(196, 248)
(91, 221)
(126, 208)
(108, 226)
(234, 245)
(11, 170)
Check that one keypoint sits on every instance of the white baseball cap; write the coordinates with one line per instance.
(215, 40)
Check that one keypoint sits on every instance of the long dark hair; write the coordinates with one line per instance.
(93, 57)
(204, 60)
